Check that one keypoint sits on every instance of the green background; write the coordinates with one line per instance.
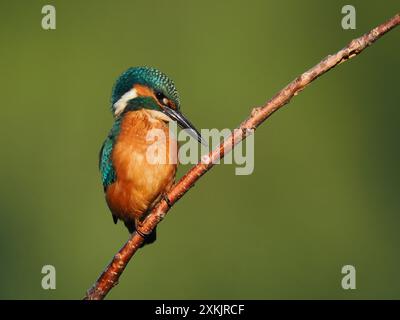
(325, 189)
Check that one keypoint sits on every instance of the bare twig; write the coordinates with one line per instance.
(109, 278)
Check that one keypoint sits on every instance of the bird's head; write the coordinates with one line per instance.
(148, 88)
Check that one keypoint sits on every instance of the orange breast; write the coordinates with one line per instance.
(142, 161)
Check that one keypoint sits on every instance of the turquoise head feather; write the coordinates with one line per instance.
(123, 91)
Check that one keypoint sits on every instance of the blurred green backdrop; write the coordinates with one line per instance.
(325, 189)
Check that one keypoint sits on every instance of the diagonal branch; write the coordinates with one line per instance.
(109, 278)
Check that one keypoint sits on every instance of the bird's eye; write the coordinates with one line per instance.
(161, 98)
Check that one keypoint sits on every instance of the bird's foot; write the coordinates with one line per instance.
(140, 233)
(138, 226)
(166, 199)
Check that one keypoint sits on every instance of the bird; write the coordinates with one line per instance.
(142, 99)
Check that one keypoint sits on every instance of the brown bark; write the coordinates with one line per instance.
(109, 278)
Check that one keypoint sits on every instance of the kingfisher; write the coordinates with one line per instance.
(142, 99)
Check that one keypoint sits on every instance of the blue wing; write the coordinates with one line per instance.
(108, 175)
(105, 164)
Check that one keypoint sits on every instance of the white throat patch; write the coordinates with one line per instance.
(120, 105)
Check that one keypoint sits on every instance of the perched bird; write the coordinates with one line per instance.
(142, 99)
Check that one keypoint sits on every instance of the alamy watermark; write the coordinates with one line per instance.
(349, 20)
(162, 148)
(49, 278)
(349, 280)
(49, 18)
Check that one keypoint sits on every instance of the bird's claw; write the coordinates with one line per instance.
(166, 199)
(140, 233)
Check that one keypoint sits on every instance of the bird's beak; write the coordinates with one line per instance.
(184, 123)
